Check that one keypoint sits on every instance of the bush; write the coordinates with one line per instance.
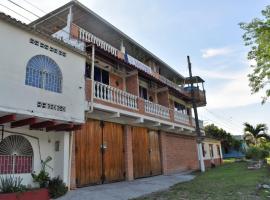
(256, 153)
(42, 178)
(57, 188)
(10, 184)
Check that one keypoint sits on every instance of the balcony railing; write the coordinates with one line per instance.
(156, 109)
(181, 117)
(114, 95)
(200, 123)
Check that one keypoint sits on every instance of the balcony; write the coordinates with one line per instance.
(156, 109)
(108, 99)
(115, 96)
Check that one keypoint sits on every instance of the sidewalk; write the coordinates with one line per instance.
(127, 189)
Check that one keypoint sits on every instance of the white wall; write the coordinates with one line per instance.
(16, 97)
(215, 150)
(46, 147)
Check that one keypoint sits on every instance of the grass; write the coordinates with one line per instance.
(232, 181)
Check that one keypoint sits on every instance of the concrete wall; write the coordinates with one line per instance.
(16, 51)
(43, 144)
(217, 154)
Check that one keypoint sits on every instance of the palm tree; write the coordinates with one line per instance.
(254, 135)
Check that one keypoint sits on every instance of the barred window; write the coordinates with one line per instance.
(16, 155)
(43, 72)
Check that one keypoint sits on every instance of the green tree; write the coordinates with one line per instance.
(227, 141)
(255, 135)
(257, 36)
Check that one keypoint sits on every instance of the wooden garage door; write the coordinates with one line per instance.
(154, 153)
(88, 141)
(99, 153)
(113, 157)
(146, 152)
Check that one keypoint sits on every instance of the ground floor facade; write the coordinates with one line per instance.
(106, 152)
(22, 150)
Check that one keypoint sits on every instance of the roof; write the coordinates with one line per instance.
(111, 31)
(194, 79)
(30, 29)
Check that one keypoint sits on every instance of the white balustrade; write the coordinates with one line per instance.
(89, 37)
(181, 117)
(156, 109)
(114, 95)
(200, 123)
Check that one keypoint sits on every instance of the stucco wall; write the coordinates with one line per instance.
(16, 97)
(43, 144)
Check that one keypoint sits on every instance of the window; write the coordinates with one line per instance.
(180, 107)
(143, 92)
(101, 76)
(16, 155)
(43, 72)
(203, 150)
(218, 150)
(211, 150)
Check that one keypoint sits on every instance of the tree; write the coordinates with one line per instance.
(227, 141)
(255, 135)
(257, 36)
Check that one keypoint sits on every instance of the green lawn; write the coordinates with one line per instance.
(231, 181)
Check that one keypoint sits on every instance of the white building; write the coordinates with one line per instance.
(42, 99)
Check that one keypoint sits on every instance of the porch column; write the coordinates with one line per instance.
(128, 154)
(73, 164)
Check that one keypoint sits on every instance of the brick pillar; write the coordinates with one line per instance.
(128, 154)
(163, 145)
(73, 166)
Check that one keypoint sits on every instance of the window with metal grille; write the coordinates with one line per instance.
(43, 72)
(16, 155)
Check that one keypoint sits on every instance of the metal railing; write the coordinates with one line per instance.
(156, 109)
(114, 95)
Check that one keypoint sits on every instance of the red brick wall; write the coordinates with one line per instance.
(128, 153)
(88, 89)
(163, 98)
(179, 153)
(132, 84)
(114, 79)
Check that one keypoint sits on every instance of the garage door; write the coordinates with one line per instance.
(146, 152)
(99, 153)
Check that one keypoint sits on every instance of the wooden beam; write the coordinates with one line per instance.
(7, 118)
(75, 128)
(24, 122)
(59, 127)
(43, 124)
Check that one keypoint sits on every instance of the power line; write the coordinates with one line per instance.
(23, 8)
(15, 12)
(34, 6)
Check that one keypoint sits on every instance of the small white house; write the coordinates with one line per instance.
(42, 99)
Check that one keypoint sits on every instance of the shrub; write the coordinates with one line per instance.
(9, 184)
(57, 188)
(256, 153)
(42, 177)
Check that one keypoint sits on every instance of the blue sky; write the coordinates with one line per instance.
(207, 30)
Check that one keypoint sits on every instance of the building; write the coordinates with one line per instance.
(212, 152)
(135, 110)
(42, 100)
(233, 152)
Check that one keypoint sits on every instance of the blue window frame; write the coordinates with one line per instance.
(43, 72)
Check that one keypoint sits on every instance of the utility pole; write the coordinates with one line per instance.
(198, 131)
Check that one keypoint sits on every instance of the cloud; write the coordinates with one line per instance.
(213, 52)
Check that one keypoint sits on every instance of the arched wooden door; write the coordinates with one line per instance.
(99, 153)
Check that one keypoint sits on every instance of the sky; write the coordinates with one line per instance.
(207, 31)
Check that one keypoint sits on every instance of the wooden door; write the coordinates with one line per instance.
(154, 146)
(113, 152)
(88, 141)
(140, 148)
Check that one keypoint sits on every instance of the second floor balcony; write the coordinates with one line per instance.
(110, 97)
